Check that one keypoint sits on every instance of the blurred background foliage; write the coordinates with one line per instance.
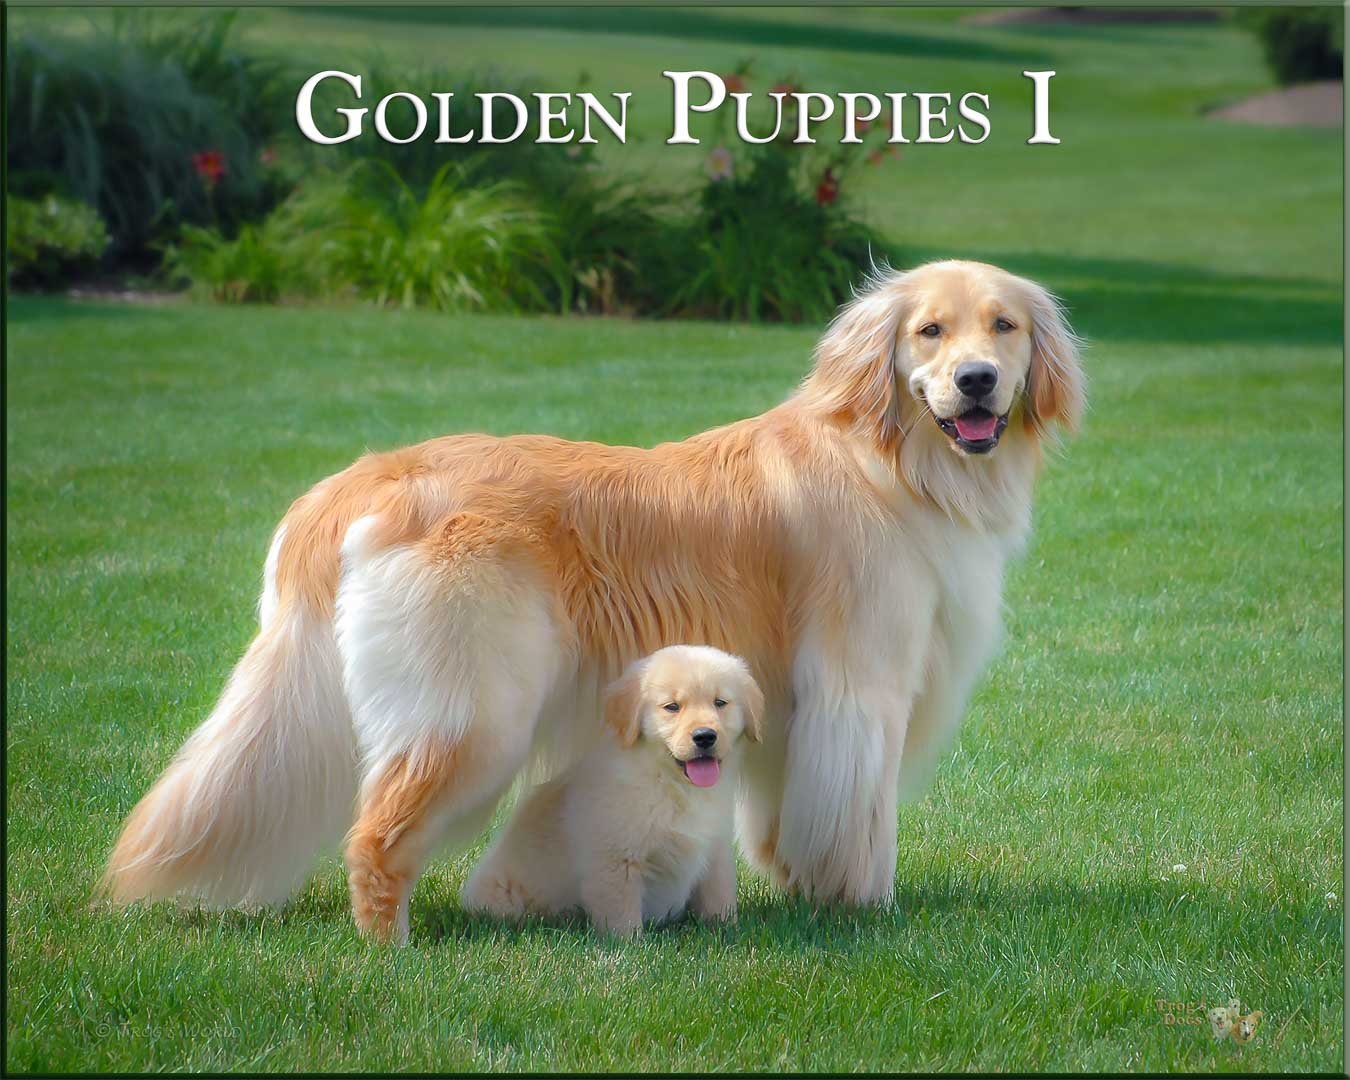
(160, 144)
(1301, 43)
(183, 144)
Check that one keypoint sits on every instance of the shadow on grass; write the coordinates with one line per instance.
(775, 921)
(1121, 300)
(51, 307)
(1141, 301)
(696, 24)
(942, 904)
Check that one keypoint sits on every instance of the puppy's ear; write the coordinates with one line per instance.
(752, 706)
(623, 705)
(1055, 390)
(854, 376)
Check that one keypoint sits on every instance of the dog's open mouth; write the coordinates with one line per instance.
(702, 771)
(975, 431)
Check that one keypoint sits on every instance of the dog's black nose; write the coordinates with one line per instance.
(976, 378)
(704, 737)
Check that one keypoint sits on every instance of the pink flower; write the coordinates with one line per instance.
(210, 166)
(735, 84)
(827, 191)
(720, 164)
(783, 87)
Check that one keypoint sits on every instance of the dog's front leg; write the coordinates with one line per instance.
(611, 893)
(837, 831)
(714, 898)
(837, 841)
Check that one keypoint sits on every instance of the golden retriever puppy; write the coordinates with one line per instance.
(1221, 1018)
(645, 820)
(436, 619)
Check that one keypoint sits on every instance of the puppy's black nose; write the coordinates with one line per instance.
(704, 737)
(976, 378)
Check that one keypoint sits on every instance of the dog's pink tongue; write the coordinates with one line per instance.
(976, 428)
(703, 772)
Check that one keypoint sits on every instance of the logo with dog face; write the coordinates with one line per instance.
(1225, 1021)
(1229, 1022)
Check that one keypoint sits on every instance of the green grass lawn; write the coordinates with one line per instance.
(1170, 693)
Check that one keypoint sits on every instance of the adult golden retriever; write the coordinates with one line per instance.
(434, 618)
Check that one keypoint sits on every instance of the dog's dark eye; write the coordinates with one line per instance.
(1003, 326)
(719, 703)
(671, 706)
(931, 330)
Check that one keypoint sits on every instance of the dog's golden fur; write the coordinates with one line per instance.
(626, 833)
(478, 591)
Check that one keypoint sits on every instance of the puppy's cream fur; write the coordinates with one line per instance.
(625, 833)
(437, 617)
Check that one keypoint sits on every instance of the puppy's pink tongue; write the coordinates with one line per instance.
(976, 428)
(703, 772)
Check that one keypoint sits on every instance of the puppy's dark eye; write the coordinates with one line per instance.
(671, 706)
(719, 703)
(931, 330)
(1003, 326)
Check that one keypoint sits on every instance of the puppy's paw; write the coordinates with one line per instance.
(727, 915)
(500, 896)
(622, 931)
(715, 911)
(622, 926)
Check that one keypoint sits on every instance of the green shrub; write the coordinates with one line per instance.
(775, 236)
(1301, 44)
(763, 249)
(48, 240)
(607, 228)
(258, 92)
(154, 123)
(611, 251)
(365, 233)
(455, 247)
(263, 264)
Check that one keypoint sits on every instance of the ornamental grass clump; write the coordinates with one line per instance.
(154, 122)
(365, 234)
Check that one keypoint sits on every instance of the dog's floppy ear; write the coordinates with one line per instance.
(752, 705)
(854, 375)
(1055, 391)
(623, 705)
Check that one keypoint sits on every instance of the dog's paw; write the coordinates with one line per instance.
(720, 912)
(503, 897)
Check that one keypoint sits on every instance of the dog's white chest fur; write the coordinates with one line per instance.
(662, 827)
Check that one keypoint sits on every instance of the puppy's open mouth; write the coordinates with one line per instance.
(975, 431)
(702, 771)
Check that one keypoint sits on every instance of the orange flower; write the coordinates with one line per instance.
(827, 191)
(210, 166)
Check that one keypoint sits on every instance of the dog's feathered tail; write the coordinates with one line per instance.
(258, 789)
